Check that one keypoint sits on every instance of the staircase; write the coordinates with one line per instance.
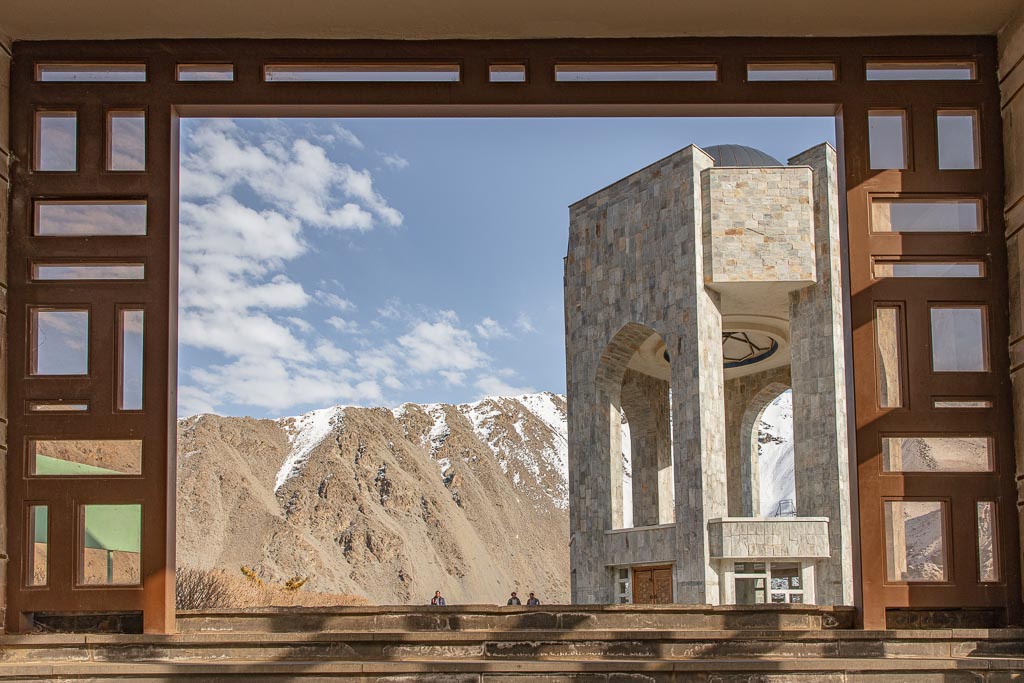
(565, 644)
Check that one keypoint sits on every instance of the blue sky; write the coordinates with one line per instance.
(379, 261)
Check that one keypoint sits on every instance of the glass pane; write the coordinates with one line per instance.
(888, 325)
(887, 139)
(785, 576)
(57, 407)
(60, 342)
(920, 71)
(126, 141)
(111, 545)
(988, 568)
(796, 598)
(95, 73)
(636, 72)
(131, 359)
(87, 219)
(917, 215)
(779, 598)
(959, 339)
(206, 72)
(820, 71)
(84, 458)
(958, 139)
(39, 537)
(936, 454)
(108, 271)
(56, 141)
(928, 269)
(961, 403)
(397, 72)
(508, 73)
(915, 540)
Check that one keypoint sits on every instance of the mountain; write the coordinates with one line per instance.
(390, 505)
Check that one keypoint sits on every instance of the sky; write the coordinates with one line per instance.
(381, 261)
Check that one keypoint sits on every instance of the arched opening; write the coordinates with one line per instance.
(768, 452)
(635, 380)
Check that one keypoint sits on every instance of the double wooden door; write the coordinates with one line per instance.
(652, 585)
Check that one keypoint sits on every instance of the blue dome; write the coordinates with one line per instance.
(740, 155)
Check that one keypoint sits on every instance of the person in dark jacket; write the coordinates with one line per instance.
(438, 599)
(533, 601)
(513, 600)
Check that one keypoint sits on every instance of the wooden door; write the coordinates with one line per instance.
(652, 585)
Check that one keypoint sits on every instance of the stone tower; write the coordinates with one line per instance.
(695, 293)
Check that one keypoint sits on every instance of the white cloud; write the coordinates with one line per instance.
(489, 328)
(454, 377)
(394, 161)
(441, 345)
(344, 326)
(335, 301)
(524, 323)
(300, 324)
(341, 134)
(489, 385)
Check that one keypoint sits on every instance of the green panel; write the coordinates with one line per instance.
(47, 466)
(41, 523)
(113, 527)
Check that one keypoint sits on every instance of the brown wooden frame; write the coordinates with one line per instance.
(164, 99)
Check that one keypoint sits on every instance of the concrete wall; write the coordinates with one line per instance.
(5, 117)
(1011, 75)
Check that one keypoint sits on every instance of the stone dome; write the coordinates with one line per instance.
(740, 155)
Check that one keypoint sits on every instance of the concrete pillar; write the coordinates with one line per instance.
(5, 155)
(820, 448)
(745, 398)
(698, 407)
(646, 404)
(1011, 78)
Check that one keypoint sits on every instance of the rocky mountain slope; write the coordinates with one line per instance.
(391, 505)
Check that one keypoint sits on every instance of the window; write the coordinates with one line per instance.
(39, 539)
(43, 272)
(888, 355)
(786, 583)
(59, 342)
(961, 403)
(110, 544)
(959, 339)
(126, 141)
(56, 142)
(945, 269)
(93, 73)
(129, 395)
(206, 72)
(751, 583)
(988, 566)
(959, 146)
(623, 587)
(396, 72)
(57, 406)
(921, 71)
(791, 71)
(85, 458)
(627, 72)
(915, 540)
(904, 214)
(936, 454)
(90, 218)
(760, 582)
(507, 73)
(887, 139)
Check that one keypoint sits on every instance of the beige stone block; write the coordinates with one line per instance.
(5, 100)
(1013, 146)
(1011, 44)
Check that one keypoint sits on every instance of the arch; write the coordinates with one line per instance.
(750, 469)
(634, 388)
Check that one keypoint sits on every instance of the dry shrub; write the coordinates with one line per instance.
(215, 589)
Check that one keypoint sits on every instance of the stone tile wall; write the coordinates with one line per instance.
(644, 545)
(5, 117)
(775, 538)
(758, 225)
(1011, 75)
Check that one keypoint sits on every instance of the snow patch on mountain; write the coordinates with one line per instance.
(775, 455)
(305, 433)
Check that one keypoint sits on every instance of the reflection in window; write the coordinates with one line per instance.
(206, 72)
(958, 139)
(936, 454)
(888, 324)
(90, 218)
(961, 403)
(398, 72)
(507, 73)
(920, 71)
(85, 457)
(107, 271)
(57, 406)
(959, 339)
(60, 342)
(130, 390)
(92, 73)
(988, 566)
(39, 538)
(110, 551)
(792, 71)
(891, 214)
(887, 139)
(951, 269)
(915, 540)
(626, 72)
(126, 141)
(56, 147)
